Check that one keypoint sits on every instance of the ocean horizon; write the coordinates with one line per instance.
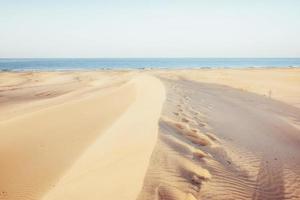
(61, 64)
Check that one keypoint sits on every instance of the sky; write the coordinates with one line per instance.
(156, 28)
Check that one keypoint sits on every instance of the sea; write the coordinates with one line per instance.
(62, 64)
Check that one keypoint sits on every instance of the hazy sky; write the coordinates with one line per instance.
(153, 28)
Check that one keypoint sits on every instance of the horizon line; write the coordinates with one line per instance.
(185, 57)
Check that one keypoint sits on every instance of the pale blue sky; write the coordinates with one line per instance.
(157, 28)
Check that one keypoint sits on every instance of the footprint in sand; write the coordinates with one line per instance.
(193, 135)
(3, 195)
(187, 98)
(194, 173)
(172, 193)
(185, 120)
(201, 124)
(199, 155)
(184, 148)
(212, 137)
(181, 138)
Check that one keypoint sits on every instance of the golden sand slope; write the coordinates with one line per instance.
(96, 143)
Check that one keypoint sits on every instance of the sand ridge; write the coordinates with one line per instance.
(118, 160)
(40, 148)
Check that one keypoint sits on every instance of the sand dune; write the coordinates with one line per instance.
(57, 152)
(219, 134)
(114, 166)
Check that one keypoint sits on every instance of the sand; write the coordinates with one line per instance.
(83, 146)
(155, 134)
(279, 83)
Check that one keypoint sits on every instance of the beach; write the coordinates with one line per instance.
(160, 134)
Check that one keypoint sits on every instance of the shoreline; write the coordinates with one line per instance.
(148, 69)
